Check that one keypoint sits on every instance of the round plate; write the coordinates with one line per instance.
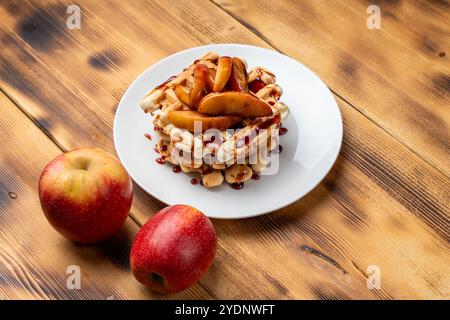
(310, 147)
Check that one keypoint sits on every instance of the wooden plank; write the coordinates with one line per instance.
(398, 76)
(33, 257)
(360, 215)
(97, 63)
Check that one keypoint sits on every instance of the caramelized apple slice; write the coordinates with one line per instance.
(186, 119)
(210, 80)
(234, 103)
(182, 93)
(201, 73)
(256, 85)
(191, 97)
(238, 77)
(224, 66)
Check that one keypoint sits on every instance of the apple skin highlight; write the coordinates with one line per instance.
(85, 194)
(173, 249)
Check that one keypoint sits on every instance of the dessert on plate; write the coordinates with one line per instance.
(218, 120)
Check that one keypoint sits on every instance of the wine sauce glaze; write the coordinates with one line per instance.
(237, 185)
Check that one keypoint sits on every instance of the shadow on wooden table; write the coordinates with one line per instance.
(117, 248)
(283, 218)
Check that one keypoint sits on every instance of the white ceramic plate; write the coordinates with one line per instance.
(310, 147)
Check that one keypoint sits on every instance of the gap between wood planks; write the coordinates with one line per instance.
(267, 41)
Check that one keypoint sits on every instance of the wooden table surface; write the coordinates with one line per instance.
(385, 203)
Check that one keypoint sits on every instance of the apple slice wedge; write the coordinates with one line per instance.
(186, 119)
(201, 74)
(224, 66)
(238, 77)
(182, 94)
(234, 103)
(210, 80)
(192, 96)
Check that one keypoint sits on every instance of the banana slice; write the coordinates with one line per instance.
(238, 173)
(212, 179)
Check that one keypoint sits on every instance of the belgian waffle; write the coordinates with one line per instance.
(230, 154)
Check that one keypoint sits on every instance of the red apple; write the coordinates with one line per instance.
(85, 194)
(173, 249)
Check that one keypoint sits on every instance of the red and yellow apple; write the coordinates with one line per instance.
(173, 249)
(85, 194)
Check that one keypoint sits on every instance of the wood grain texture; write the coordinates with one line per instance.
(33, 257)
(396, 76)
(384, 203)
